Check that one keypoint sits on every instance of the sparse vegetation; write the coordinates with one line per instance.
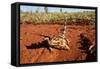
(79, 18)
(45, 33)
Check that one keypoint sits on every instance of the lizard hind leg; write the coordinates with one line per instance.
(66, 44)
(67, 47)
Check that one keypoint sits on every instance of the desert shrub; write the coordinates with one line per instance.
(80, 18)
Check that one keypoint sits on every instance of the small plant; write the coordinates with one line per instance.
(79, 18)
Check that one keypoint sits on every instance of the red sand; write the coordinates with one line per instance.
(29, 34)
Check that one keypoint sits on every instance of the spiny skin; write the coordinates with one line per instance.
(58, 42)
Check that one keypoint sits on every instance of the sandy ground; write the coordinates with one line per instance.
(31, 34)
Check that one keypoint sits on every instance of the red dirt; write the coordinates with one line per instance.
(29, 35)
